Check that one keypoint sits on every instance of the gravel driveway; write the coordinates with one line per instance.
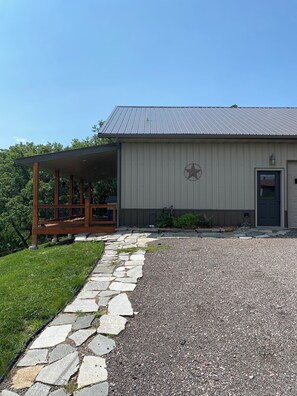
(216, 317)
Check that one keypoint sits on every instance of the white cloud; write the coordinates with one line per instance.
(19, 139)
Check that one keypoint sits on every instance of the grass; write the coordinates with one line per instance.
(34, 286)
(147, 249)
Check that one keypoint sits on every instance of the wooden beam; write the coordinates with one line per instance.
(57, 192)
(35, 202)
(71, 194)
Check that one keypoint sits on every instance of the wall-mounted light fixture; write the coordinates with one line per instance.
(272, 160)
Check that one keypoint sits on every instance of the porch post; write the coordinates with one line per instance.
(87, 212)
(56, 197)
(81, 194)
(35, 204)
(71, 194)
(90, 187)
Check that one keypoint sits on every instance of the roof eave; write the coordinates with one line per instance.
(194, 136)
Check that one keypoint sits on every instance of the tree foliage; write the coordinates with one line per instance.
(16, 189)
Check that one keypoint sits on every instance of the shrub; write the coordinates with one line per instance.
(204, 221)
(191, 220)
(165, 220)
(188, 220)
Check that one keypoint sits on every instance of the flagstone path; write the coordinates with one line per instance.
(68, 357)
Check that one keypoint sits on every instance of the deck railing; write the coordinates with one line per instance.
(89, 214)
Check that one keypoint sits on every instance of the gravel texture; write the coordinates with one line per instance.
(216, 317)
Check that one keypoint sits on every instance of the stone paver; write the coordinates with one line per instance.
(101, 345)
(80, 305)
(111, 324)
(92, 371)
(59, 352)
(64, 319)
(83, 322)
(120, 305)
(95, 390)
(80, 336)
(59, 392)
(119, 286)
(96, 285)
(135, 272)
(25, 377)
(84, 294)
(103, 301)
(51, 336)
(53, 359)
(59, 373)
(38, 389)
(33, 357)
(108, 293)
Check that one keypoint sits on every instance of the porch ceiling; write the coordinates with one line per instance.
(91, 163)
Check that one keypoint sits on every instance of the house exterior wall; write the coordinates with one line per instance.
(152, 177)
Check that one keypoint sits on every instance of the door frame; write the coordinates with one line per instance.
(282, 194)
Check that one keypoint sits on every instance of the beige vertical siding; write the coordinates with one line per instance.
(153, 174)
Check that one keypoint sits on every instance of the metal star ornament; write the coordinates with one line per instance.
(193, 172)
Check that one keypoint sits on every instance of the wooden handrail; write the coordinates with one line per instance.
(60, 206)
(88, 212)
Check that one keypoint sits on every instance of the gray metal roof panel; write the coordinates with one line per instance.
(221, 121)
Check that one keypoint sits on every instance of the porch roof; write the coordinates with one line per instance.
(90, 163)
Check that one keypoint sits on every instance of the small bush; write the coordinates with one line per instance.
(165, 220)
(204, 221)
(188, 220)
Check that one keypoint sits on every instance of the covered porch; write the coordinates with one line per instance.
(82, 168)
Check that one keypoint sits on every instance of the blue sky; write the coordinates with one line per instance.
(64, 64)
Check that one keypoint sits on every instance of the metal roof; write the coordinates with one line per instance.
(151, 121)
(90, 163)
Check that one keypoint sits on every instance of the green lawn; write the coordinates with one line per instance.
(34, 285)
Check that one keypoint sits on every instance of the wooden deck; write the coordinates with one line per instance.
(69, 218)
(85, 222)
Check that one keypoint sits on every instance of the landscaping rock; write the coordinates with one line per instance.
(80, 336)
(51, 336)
(33, 357)
(126, 280)
(80, 305)
(38, 389)
(25, 377)
(8, 393)
(59, 373)
(101, 345)
(120, 305)
(83, 322)
(60, 352)
(111, 324)
(119, 286)
(92, 371)
(95, 390)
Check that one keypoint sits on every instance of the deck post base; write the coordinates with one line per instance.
(33, 247)
(55, 239)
